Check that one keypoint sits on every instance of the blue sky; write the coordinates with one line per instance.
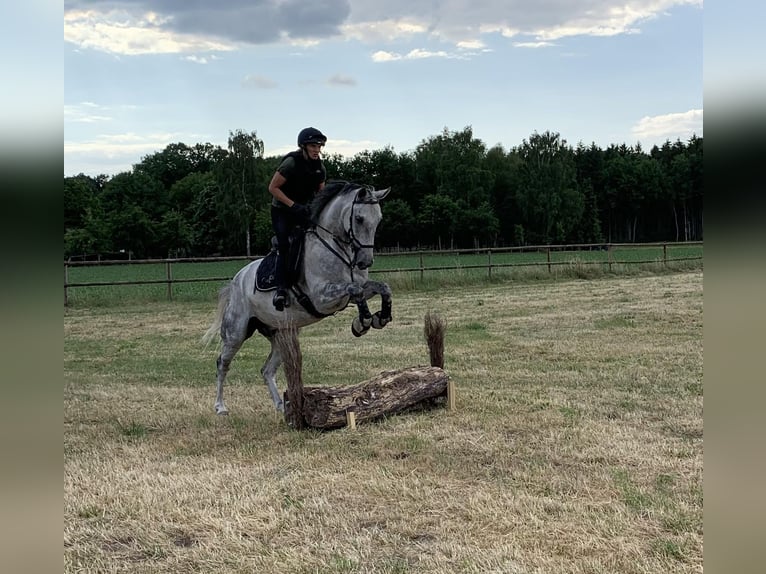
(140, 74)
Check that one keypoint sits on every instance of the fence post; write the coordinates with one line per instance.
(609, 256)
(489, 263)
(665, 254)
(66, 283)
(169, 277)
(422, 270)
(548, 257)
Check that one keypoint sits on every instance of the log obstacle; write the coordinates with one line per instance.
(388, 393)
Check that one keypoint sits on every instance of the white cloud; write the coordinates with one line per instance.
(533, 44)
(349, 148)
(86, 113)
(344, 147)
(657, 129)
(383, 31)
(463, 20)
(471, 45)
(418, 54)
(122, 33)
(117, 145)
(200, 59)
(187, 28)
(415, 54)
(111, 154)
(91, 112)
(383, 56)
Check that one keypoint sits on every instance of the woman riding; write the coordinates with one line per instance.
(299, 177)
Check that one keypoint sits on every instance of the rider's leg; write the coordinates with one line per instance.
(293, 260)
(281, 223)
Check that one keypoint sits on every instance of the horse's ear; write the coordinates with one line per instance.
(381, 193)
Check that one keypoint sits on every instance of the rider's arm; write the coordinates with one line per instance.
(275, 189)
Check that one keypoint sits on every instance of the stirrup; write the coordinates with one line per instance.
(280, 300)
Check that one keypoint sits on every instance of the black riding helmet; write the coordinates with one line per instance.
(311, 136)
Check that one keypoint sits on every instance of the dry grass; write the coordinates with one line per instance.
(576, 446)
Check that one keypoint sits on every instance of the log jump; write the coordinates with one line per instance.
(388, 393)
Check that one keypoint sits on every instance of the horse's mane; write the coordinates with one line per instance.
(332, 189)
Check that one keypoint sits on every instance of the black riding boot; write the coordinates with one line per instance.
(280, 297)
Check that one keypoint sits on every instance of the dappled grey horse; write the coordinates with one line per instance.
(332, 274)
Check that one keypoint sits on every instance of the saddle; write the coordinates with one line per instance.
(266, 276)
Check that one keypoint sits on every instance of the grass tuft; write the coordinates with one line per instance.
(132, 429)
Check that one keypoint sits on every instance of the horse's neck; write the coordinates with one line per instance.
(328, 254)
(332, 218)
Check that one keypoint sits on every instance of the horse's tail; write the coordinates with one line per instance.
(215, 328)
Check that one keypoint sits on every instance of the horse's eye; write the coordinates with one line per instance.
(359, 218)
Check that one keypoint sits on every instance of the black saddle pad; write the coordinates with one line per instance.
(266, 276)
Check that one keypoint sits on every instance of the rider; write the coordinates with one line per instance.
(297, 179)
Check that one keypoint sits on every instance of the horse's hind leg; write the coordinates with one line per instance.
(234, 332)
(269, 373)
(222, 364)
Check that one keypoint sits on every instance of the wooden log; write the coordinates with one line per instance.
(388, 393)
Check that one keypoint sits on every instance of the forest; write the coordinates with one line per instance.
(451, 192)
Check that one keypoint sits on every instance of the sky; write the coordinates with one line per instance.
(142, 74)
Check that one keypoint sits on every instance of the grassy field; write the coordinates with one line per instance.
(576, 446)
(457, 269)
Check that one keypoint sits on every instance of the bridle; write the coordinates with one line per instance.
(349, 240)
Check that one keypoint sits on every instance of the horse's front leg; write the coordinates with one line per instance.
(362, 322)
(337, 296)
(379, 319)
(383, 317)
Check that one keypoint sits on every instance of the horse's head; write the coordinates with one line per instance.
(353, 217)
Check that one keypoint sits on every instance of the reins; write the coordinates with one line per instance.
(342, 242)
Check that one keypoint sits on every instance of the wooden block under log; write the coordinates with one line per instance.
(388, 393)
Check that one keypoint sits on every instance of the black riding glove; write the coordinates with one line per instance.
(301, 212)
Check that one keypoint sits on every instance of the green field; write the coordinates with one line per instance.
(401, 271)
(576, 446)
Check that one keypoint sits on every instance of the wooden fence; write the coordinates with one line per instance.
(422, 269)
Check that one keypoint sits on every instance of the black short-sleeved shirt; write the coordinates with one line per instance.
(303, 178)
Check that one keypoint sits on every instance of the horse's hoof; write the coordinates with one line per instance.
(379, 322)
(357, 328)
(222, 412)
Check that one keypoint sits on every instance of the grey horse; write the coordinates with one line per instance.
(333, 273)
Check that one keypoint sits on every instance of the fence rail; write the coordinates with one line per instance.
(169, 280)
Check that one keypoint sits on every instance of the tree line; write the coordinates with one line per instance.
(450, 192)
